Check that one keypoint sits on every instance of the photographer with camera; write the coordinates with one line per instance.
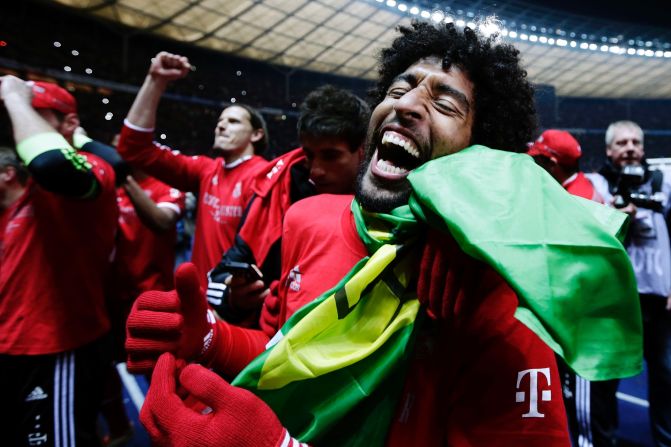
(627, 183)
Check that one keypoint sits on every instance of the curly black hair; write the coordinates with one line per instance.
(505, 114)
(333, 112)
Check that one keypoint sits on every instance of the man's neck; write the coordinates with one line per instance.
(11, 195)
(235, 156)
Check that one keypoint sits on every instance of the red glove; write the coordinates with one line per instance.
(446, 276)
(177, 321)
(238, 418)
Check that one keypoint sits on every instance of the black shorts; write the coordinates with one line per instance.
(53, 400)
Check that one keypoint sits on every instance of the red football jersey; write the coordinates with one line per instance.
(479, 378)
(53, 262)
(581, 186)
(145, 259)
(223, 191)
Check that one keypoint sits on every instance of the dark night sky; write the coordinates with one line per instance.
(642, 12)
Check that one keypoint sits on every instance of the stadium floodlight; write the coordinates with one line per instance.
(489, 27)
(57, 44)
(541, 34)
(67, 68)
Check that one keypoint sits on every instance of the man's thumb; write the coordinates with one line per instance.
(188, 287)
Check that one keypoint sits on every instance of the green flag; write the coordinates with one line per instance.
(560, 253)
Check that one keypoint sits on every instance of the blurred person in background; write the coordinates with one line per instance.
(627, 182)
(222, 183)
(144, 259)
(558, 152)
(58, 237)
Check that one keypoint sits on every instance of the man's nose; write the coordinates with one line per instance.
(317, 170)
(411, 106)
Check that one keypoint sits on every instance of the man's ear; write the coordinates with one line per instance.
(69, 124)
(257, 135)
(361, 151)
(8, 174)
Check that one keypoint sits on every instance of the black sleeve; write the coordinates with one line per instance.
(111, 156)
(64, 172)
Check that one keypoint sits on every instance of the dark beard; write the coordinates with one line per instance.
(374, 202)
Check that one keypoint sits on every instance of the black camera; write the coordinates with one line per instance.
(628, 190)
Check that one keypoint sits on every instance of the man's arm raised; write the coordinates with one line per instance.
(51, 160)
(165, 67)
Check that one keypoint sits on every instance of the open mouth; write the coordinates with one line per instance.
(395, 157)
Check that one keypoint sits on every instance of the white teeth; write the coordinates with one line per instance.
(400, 141)
(385, 166)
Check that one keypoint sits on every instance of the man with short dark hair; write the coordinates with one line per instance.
(57, 240)
(222, 183)
(440, 332)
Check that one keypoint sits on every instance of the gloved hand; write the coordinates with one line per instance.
(238, 418)
(177, 321)
(446, 276)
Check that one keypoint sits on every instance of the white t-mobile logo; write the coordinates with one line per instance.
(546, 395)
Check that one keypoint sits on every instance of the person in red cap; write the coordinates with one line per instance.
(57, 239)
(559, 154)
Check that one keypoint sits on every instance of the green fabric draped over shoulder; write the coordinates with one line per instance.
(561, 254)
